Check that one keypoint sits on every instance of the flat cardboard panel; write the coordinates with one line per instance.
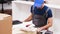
(6, 25)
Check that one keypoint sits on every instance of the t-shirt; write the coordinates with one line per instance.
(38, 11)
(42, 11)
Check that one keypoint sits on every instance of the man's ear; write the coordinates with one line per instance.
(45, 2)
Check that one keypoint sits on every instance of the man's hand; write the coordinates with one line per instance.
(39, 29)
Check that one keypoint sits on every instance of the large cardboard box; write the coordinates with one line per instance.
(5, 24)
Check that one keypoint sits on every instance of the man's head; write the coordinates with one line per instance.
(39, 3)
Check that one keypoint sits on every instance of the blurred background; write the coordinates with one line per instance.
(20, 10)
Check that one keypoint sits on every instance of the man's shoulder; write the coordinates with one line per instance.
(46, 7)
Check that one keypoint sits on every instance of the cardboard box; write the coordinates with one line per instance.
(5, 24)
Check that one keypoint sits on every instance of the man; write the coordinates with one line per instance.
(41, 17)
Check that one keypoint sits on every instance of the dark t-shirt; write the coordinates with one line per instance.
(42, 11)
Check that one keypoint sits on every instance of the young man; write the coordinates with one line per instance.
(41, 15)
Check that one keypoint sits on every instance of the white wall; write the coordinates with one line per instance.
(20, 11)
(57, 2)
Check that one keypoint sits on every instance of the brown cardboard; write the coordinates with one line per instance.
(5, 24)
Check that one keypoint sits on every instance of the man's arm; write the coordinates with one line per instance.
(28, 19)
(50, 20)
(49, 24)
